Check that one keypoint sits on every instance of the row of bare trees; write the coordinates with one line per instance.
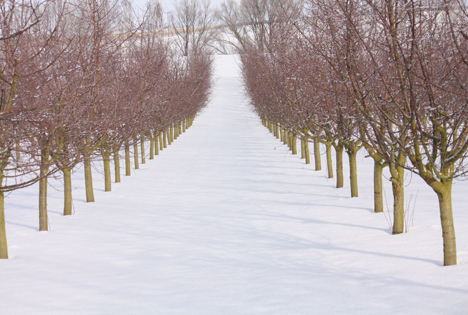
(85, 80)
(390, 76)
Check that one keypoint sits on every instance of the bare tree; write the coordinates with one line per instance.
(193, 23)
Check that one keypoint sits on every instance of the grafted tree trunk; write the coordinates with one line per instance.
(318, 161)
(88, 179)
(156, 144)
(329, 160)
(352, 154)
(294, 143)
(378, 195)
(117, 166)
(128, 166)
(135, 154)
(44, 168)
(165, 138)
(306, 148)
(107, 171)
(302, 148)
(151, 148)
(339, 166)
(398, 181)
(67, 191)
(18, 152)
(171, 134)
(3, 237)
(444, 193)
(143, 154)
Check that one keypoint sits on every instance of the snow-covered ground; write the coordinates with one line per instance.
(227, 221)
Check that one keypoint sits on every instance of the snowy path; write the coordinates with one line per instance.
(226, 221)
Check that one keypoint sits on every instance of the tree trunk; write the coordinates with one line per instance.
(398, 181)
(135, 154)
(128, 166)
(444, 193)
(18, 152)
(67, 191)
(339, 166)
(306, 150)
(143, 154)
(378, 196)
(184, 125)
(3, 237)
(175, 131)
(151, 157)
(107, 171)
(44, 168)
(165, 138)
(88, 179)
(302, 149)
(352, 154)
(161, 142)
(171, 134)
(329, 160)
(318, 161)
(294, 143)
(156, 144)
(117, 166)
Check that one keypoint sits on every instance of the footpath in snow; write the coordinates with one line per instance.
(227, 221)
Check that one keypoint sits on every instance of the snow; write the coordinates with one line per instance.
(227, 221)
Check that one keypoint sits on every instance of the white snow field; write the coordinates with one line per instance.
(227, 221)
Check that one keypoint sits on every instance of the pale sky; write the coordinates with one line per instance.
(168, 4)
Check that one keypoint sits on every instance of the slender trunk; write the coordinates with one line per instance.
(3, 237)
(329, 160)
(135, 154)
(143, 157)
(107, 171)
(352, 154)
(378, 196)
(339, 166)
(161, 142)
(151, 148)
(165, 138)
(444, 193)
(184, 125)
(306, 150)
(128, 166)
(156, 144)
(43, 218)
(18, 152)
(175, 131)
(67, 191)
(398, 189)
(171, 134)
(117, 166)
(294, 143)
(281, 134)
(88, 179)
(277, 131)
(318, 161)
(302, 149)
